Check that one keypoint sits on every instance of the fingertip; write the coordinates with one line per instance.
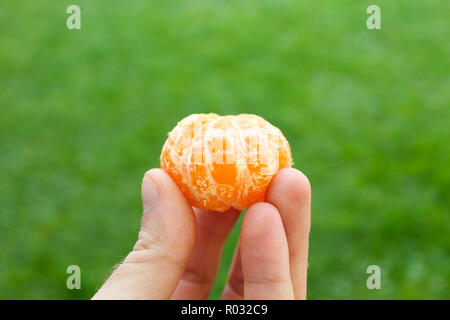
(258, 218)
(265, 254)
(262, 234)
(159, 177)
(290, 183)
(168, 216)
(150, 192)
(168, 190)
(290, 192)
(154, 174)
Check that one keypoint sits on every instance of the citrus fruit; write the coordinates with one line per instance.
(220, 162)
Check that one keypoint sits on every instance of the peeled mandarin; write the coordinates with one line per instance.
(219, 162)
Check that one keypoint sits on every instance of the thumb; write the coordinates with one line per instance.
(165, 244)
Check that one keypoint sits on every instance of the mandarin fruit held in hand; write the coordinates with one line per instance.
(222, 162)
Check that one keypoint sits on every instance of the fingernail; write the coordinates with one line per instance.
(150, 193)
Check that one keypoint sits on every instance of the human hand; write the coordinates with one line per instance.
(178, 251)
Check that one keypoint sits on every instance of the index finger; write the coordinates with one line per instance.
(265, 255)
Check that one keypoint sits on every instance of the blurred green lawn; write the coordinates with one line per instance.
(83, 114)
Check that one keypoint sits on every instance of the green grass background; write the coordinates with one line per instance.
(83, 114)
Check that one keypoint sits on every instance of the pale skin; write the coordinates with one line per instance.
(179, 248)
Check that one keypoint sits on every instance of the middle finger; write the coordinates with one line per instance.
(212, 231)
